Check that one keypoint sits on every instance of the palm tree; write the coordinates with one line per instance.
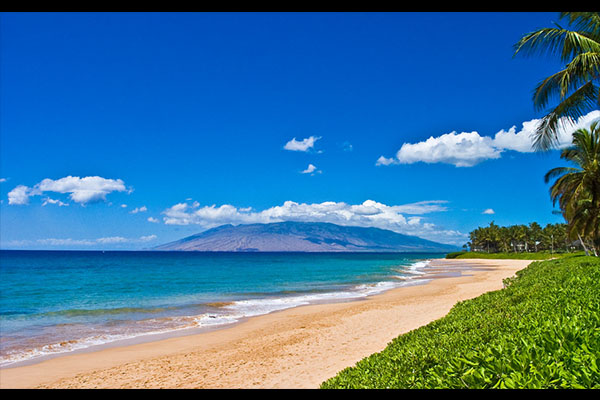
(585, 221)
(513, 234)
(550, 237)
(474, 237)
(522, 235)
(575, 86)
(560, 232)
(504, 239)
(577, 189)
(535, 234)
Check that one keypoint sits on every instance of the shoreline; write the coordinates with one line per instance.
(298, 347)
(413, 275)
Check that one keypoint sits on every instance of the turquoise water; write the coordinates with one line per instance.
(53, 302)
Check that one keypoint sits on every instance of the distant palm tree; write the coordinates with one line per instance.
(577, 189)
(491, 235)
(513, 233)
(504, 238)
(535, 234)
(522, 235)
(475, 237)
(577, 85)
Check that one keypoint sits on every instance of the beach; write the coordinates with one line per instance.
(295, 348)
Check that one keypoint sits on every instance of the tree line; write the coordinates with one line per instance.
(533, 237)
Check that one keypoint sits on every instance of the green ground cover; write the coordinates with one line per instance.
(542, 255)
(541, 331)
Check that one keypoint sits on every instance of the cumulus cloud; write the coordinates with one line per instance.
(138, 210)
(2, 180)
(301, 145)
(488, 211)
(153, 220)
(311, 169)
(462, 150)
(367, 214)
(89, 189)
(467, 149)
(19, 195)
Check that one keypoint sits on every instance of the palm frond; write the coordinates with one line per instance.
(556, 172)
(563, 115)
(559, 42)
(585, 21)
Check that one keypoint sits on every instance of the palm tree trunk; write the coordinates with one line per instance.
(587, 253)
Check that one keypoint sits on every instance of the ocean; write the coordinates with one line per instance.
(56, 302)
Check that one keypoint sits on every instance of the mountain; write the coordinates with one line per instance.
(303, 237)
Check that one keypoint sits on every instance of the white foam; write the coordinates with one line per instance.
(249, 308)
(79, 344)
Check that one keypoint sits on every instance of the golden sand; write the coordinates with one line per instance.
(294, 348)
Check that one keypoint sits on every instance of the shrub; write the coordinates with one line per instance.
(455, 254)
(541, 331)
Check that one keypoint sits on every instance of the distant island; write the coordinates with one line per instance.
(303, 237)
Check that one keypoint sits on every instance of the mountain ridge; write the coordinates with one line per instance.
(293, 236)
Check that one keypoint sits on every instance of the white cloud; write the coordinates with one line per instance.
(148, 238)
(94, 242)
(423, 207)
(311, 169)
(467, 149)
(488, 211)
(153, 220)
(462, 150)
(85, 190)
(48, 200)
(19, 195)
(302, 145)
(66, 242)
(2, 180)
(138, 210)
(386, 161)
(367, 214)
(112, 240)
(123, 205)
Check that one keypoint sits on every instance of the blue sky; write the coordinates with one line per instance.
(128, 130)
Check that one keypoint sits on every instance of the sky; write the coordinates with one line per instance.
(129, 130)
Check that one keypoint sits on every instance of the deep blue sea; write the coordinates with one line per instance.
(54, 302)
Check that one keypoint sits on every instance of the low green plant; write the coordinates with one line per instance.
(541, 331)
(455, 254)
(542, 255)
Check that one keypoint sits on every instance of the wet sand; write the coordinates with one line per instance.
(294, 348)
